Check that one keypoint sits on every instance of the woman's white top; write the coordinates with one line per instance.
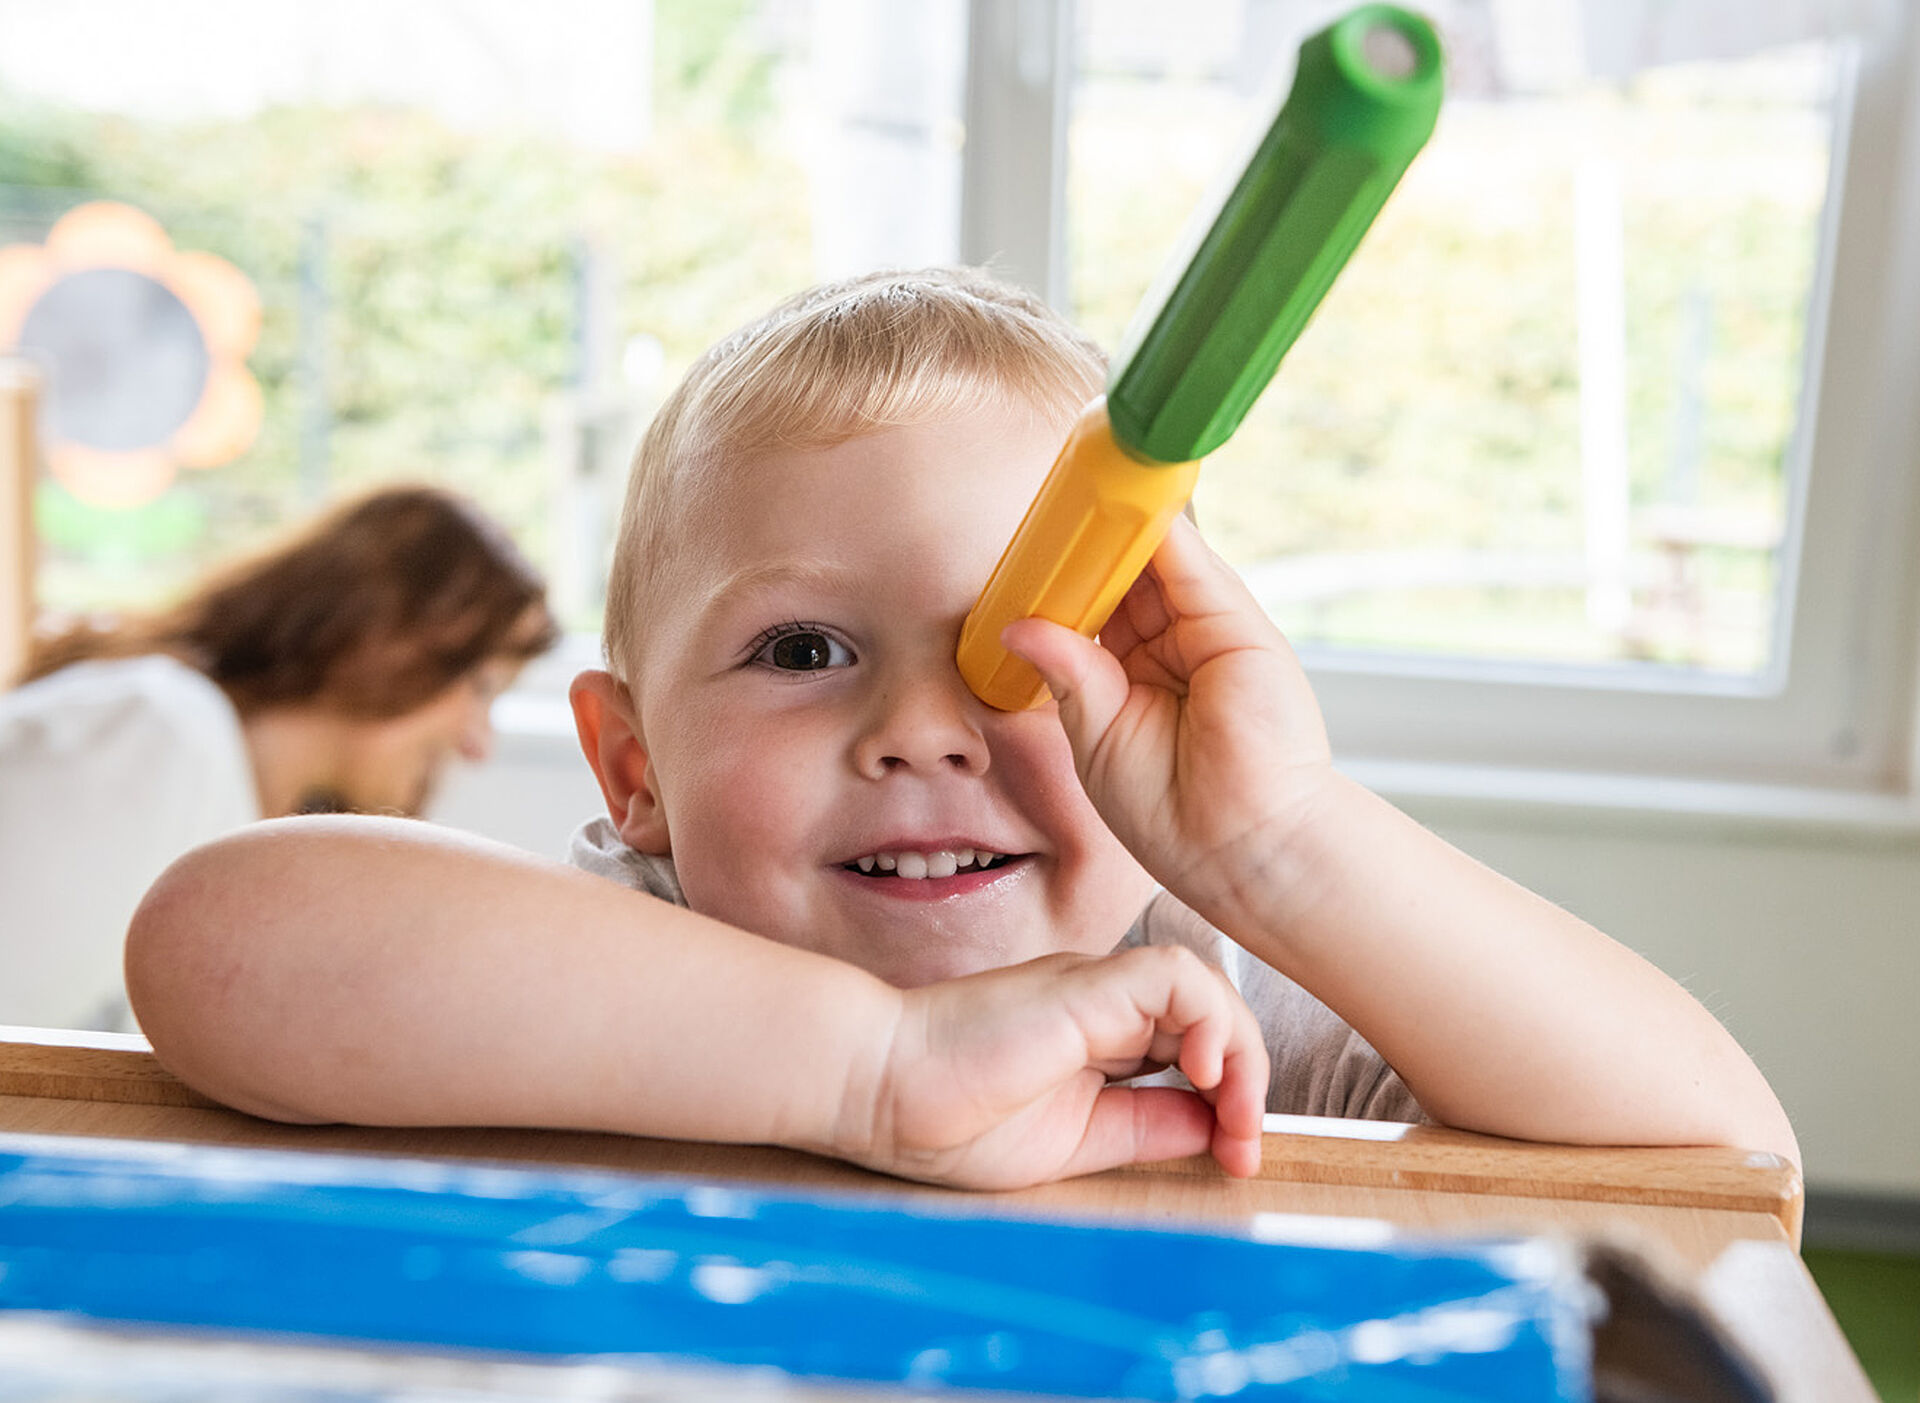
(108, 771)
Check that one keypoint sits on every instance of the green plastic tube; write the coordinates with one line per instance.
(1364, 101)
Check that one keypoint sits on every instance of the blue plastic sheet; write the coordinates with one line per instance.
(585, 1264)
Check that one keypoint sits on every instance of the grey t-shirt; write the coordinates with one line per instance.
(1321, 1066)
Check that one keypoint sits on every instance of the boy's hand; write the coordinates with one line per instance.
(1193, 725)
(1000, 1079)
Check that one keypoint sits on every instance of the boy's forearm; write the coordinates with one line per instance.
(1502, 1012)
(389, 973)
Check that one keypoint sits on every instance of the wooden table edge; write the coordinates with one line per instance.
(120, 1067)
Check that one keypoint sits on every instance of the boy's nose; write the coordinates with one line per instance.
(922, 723)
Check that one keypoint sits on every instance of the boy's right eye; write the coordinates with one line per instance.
(800, 648)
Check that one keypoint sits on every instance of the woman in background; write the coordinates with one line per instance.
(339, 670)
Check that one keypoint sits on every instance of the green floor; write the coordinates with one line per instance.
(1876, 1298)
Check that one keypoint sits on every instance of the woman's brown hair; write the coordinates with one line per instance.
(370, 610)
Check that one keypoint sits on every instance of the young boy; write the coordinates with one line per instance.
(786, 748)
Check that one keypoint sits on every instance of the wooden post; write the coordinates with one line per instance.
(19, 467)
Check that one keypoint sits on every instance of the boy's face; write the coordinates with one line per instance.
(804, 721)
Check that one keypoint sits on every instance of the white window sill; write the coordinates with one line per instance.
(1568, 799)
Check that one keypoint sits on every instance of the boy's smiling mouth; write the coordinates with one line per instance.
(936, 863)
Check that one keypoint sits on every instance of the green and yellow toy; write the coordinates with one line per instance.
(1205, 343)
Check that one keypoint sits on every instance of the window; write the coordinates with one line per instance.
(1584, 462)
(1597, 458)
(479, 269)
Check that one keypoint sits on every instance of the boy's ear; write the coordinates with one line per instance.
(609, 730)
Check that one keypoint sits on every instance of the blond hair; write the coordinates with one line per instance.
(833, 363)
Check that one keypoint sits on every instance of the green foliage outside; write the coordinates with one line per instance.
(1432, 408)
(445, 267)
(1430, 413)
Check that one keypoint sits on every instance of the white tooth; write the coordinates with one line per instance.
(941, 864)
(963, 857)
(866, 864)
(886, 861)
(985, 859)
(912, 864)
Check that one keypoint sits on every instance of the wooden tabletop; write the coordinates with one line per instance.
(1724, 1221)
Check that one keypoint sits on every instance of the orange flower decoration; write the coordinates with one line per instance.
(145, 351)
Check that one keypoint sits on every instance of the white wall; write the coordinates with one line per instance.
(533, 792)
(1802, 936)
(1805, 941)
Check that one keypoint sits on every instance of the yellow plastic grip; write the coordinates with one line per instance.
(1098, 518)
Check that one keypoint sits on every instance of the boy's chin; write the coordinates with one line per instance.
(917, 976)
(912, 969)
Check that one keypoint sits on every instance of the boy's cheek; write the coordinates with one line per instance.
(1121, 897)
(734, 823)
(1035, 764)
(1101, 887)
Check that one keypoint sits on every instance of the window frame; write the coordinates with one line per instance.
(1835, 708)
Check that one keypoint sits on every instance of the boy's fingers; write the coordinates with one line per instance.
(1140, 1125)
(1225, 1055)
(1141, 614)
(1185, 578)
(1204, 593)
(1221, 1051)
(1221, 1035)
(1203, 1050)
(1247, 1071)
(1239, 1155)
(1241, 1103)
(1192, 576)
(1083, 677)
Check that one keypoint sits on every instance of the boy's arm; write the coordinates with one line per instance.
(388, 972)
(1198, 738)
(1502, 1012)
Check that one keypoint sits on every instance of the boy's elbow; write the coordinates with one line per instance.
(188, 971)
(1738, 1109)
(1737, 1116)
(167, 950)
(1768, 1130)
